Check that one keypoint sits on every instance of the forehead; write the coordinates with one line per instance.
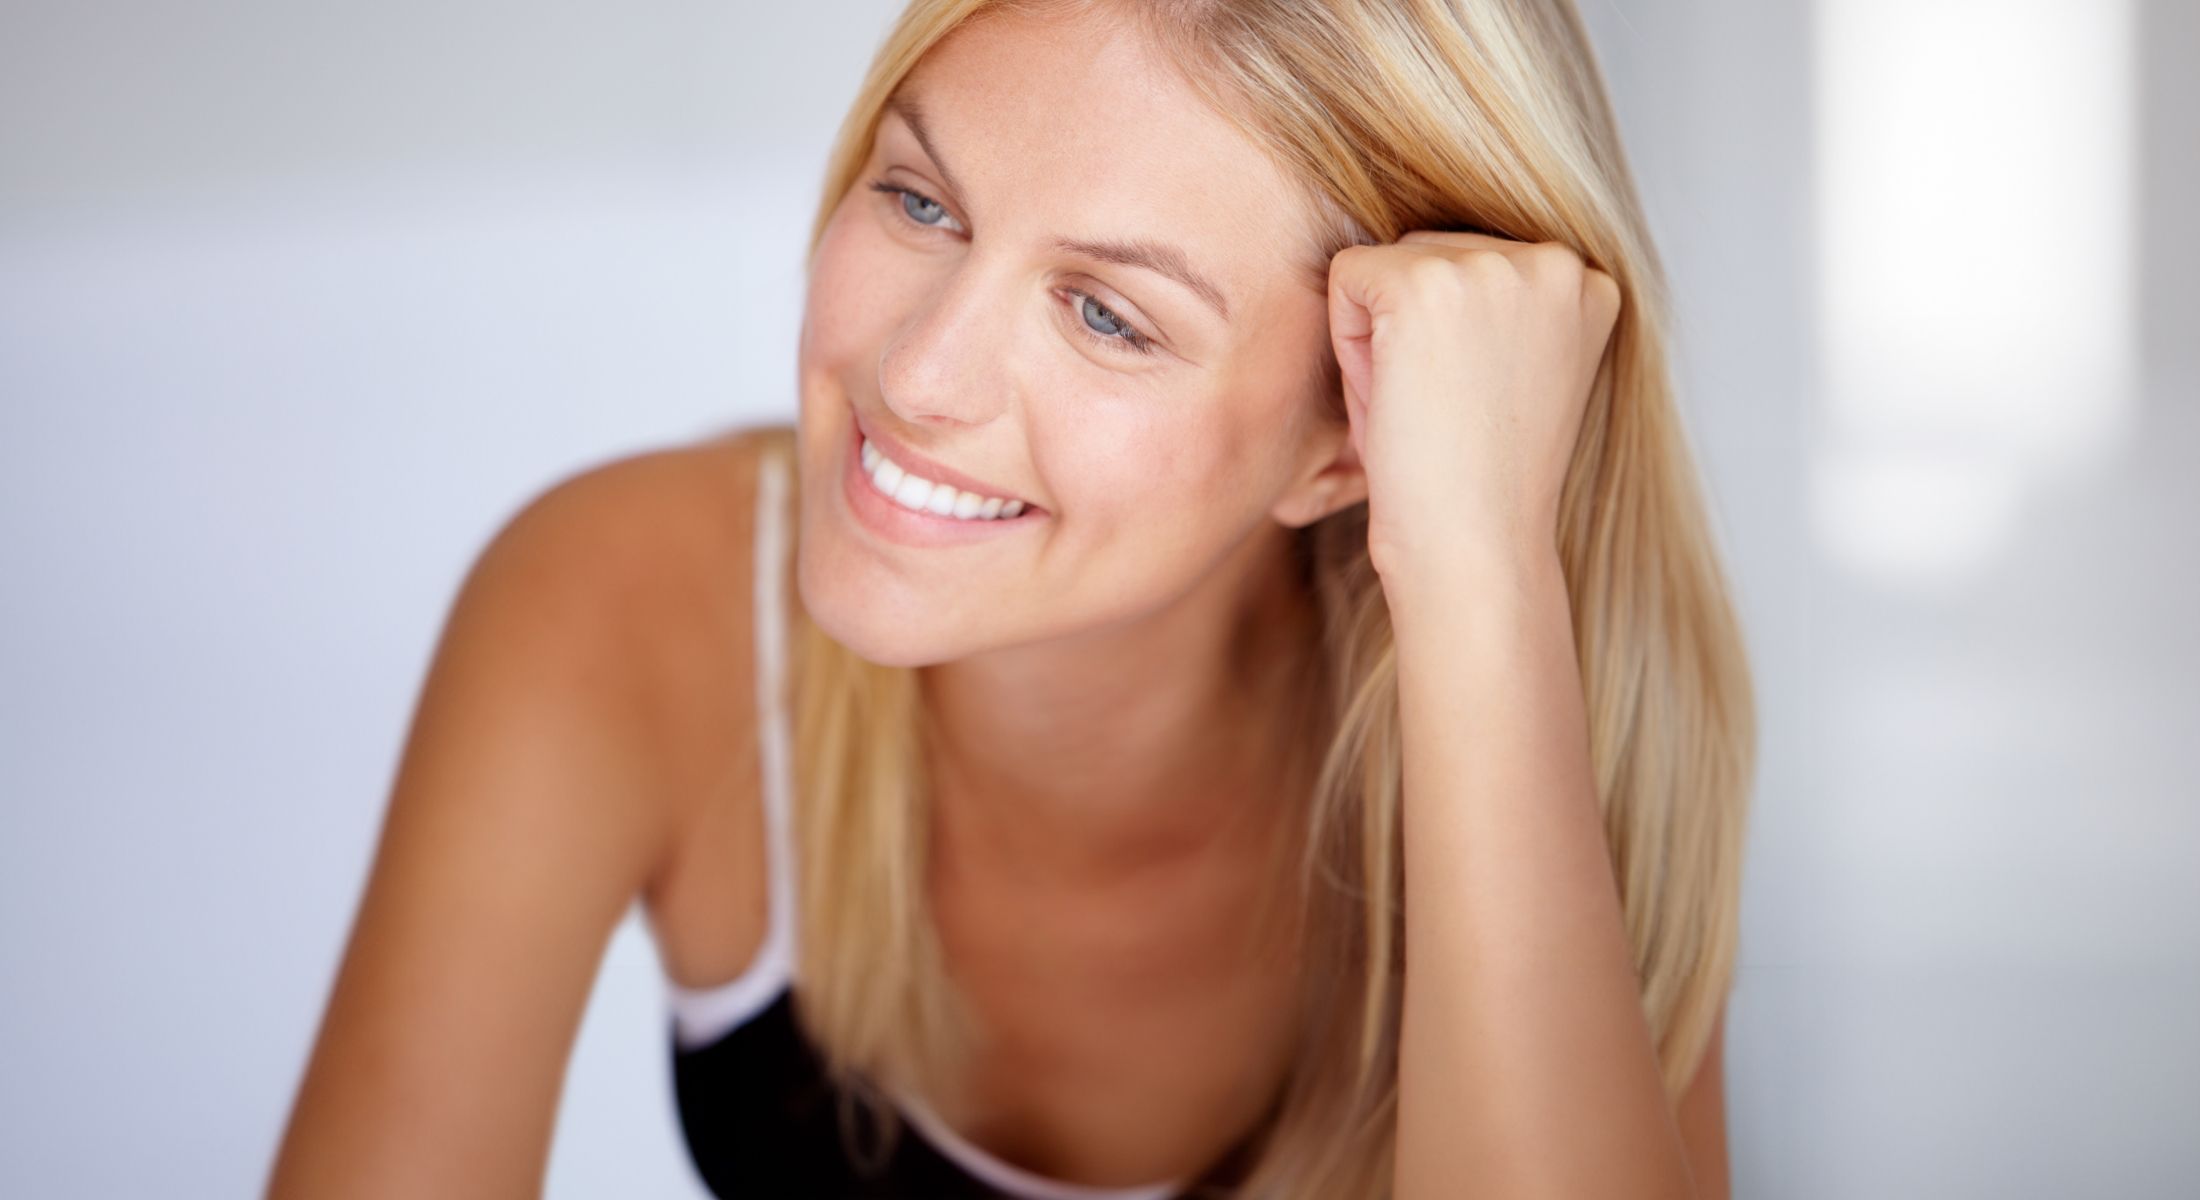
(1077, 128)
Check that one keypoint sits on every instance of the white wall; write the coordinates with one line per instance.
(297, 305)
(1971, 933)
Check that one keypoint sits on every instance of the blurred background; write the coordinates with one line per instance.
(299, 303)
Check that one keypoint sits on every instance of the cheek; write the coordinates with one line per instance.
(1214, 459)
(1139, 471)
(848, 300)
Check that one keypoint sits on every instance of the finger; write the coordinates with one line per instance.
(1359, 276)
(1349, 270)
(1602, 298)
(1464, 239)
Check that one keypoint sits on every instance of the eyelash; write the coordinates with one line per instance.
(1131, 342)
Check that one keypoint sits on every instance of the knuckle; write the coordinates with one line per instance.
(1602, 287)
(1558, 253)
(1431, 276)
(1555, 261)
(1346, 265)
(1496, 268)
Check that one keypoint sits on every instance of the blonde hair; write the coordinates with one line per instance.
(1393, 115)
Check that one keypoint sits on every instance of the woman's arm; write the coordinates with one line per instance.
(1526, 1063)
(529, 810)
(1527, 1067)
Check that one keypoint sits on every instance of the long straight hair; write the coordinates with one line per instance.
(1392, 115)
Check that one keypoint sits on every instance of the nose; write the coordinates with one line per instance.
(945, 363)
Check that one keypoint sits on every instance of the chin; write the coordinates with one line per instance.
(873, 624)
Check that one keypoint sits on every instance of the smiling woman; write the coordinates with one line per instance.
(1085, 673)
(1081, 251)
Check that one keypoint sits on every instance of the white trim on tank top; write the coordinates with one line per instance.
(703, 1015)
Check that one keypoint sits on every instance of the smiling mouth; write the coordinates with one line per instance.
(918, 494)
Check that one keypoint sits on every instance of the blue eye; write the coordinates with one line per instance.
(906, 197)
(1087, 306)
(1123, 336)
(913, 204)
(1116, 334)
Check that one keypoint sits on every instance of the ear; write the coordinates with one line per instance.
(1327, 478)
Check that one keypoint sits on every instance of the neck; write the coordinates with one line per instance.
(1137, 745)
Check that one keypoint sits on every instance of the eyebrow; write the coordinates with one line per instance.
(1158, 257)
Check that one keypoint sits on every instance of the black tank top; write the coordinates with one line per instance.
(759, 1114)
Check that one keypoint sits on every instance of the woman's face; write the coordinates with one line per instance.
(974, 309)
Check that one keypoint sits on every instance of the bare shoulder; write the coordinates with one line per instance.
(621, 593)
(591, 674)
(644, 564)
(664, 544)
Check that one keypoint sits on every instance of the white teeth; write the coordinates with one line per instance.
(913, 492)
(922, 495)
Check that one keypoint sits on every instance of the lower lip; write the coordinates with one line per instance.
(910, 527)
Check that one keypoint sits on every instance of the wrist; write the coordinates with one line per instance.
(1475, 576)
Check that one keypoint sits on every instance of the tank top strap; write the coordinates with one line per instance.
(774, 732)
(703, 1015)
